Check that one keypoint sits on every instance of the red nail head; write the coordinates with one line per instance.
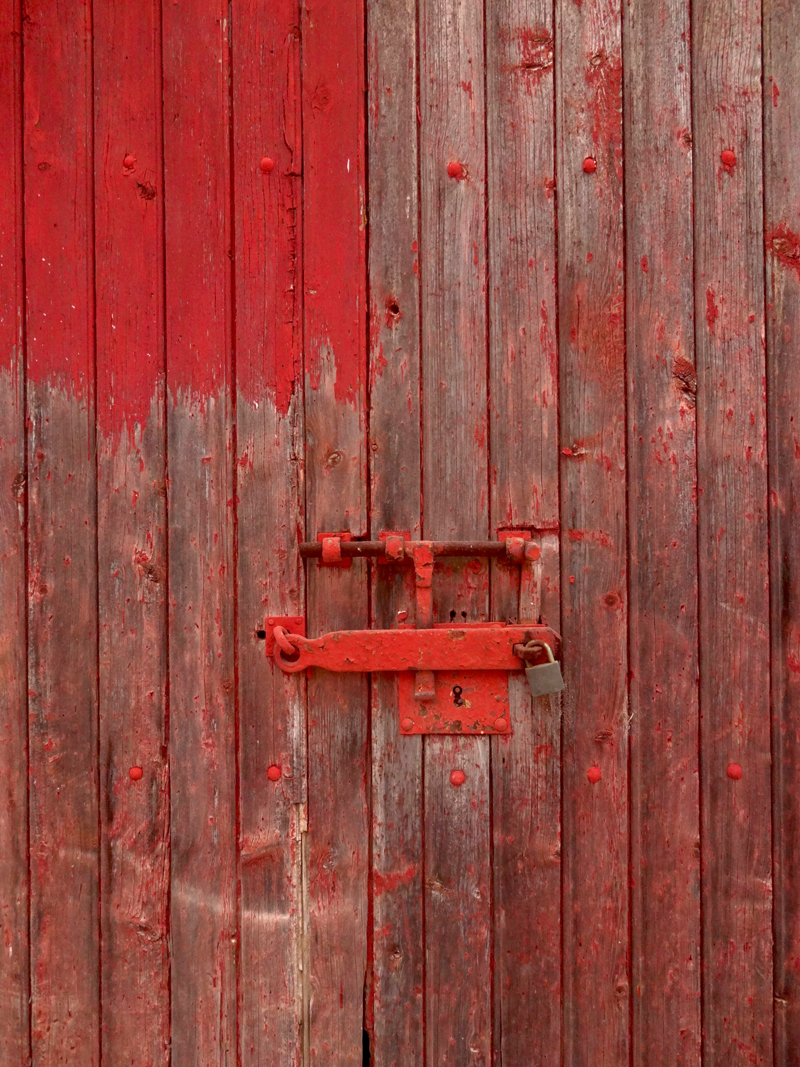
(454, 169)
(135, 773)
(129, 161)
(728, 158)
(407, 723)
(594, 774)
(501, 725)
(273, 773)
(457, 777)
(267, 164)
(734, 771)
(589, 165)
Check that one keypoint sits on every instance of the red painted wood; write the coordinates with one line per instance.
(395, 1012)
(524, 461)
(733, 546)
(593, 541)
(662, 515)
(782, 208)
(62, 578)
(14, 886)
(455, 505)
(268, 281)
(202, 710)
(132, 556)
(334, 224)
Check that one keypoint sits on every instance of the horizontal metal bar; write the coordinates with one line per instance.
(482, 647)
(358, 549)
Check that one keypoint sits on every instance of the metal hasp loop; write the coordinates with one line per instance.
(452, 678)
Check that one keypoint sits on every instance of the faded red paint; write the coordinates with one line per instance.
(536, 46)
(604, 80)
(712, 310)
(784, 244)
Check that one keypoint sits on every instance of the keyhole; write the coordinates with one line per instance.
(457, 691)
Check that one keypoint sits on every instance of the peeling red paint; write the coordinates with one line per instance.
(784, 244)
(536, 46)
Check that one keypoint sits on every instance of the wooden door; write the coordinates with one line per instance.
(443, 267)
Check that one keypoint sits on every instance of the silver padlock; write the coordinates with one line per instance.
(544, 678)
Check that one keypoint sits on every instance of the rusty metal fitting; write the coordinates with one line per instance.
(331, 550)
(283, 640)
(515, 549)
(532, 551)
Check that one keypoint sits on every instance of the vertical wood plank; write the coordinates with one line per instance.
(62, 614)
(201, 573)
(14, 961)
(335, 409)
(396, 878)
(268, 277)
(665, 813)
(782, 216)
(132, 577)
(733, 547)
(524, 494)
(523, 368)
(593, 545)
(455, 494)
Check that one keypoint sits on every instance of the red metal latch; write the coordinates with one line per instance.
(452, 679)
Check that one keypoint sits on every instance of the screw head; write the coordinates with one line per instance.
(267, 165)
(589, 165)
(728, 158)
(407, 723)
(129, 161)
(135, 774)
(457, 778)
(455, 169)
(501, 724)
(735, 771)
(594, 774)
(273, 772)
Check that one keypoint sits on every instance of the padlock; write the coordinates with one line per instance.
(544, 678)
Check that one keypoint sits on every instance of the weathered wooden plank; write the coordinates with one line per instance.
(335, 408)
(198, 242)
(782, 215)
(62, 608)
(662, 494)
(524, 494)
(395, 1015)
(14, 887)
(455, 494)
(132, 575)
(267, 174)
(733, 547)
(593, 543)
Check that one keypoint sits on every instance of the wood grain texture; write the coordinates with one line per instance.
(782, 216)
(523, 387)
(733, 547)
(132, 563)
(268, 282)
(395, 1013)
(14, 886)
(662, 515)
(203, 819)
(62, 548)
(455, 505)
(593, 538)
(334, 193)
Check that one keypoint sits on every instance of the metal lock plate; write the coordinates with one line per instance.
(463, 702)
